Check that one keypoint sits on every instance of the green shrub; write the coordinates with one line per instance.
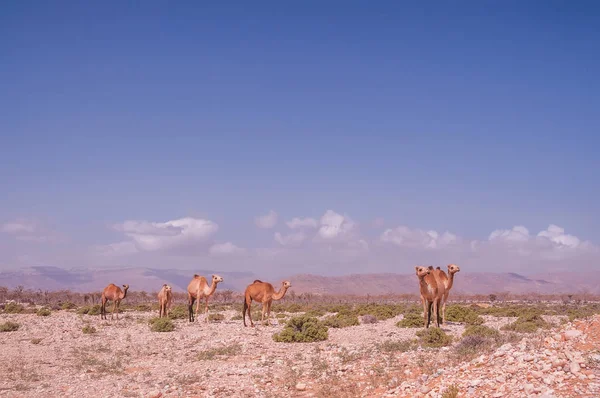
(341, 320)
(292, 308)
(68, 306)
(44, 312)
(302, 329)
(179, 311)
(411, 320)
(143, 308)
(434, 337)
(89, 310)
(87, 329)
(471, 347)
(368, 319)
(451, 392)
(481, 331)
(457, 313)
(316, 312)
(161, 325)
(278, 316)
(397, 345)
(226, 351)
(9, 326)
(236, 318)
(13, 308)
(528, 323)
(216, 317)
(380, 311)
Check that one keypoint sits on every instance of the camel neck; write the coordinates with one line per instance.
(212, 288)
(450, 280)
(279, 295)
(423, 283)
(124, 294)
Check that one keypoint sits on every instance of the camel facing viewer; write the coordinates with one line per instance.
(114, 293)
(165, 299)
(448, 283)
(429, 294)
(197, 289)
(262, 292)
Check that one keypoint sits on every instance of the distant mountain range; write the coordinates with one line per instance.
(149, 279)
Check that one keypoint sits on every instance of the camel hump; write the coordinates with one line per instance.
(196, 276)
(257, 281)
(437, 268)
(430, 267)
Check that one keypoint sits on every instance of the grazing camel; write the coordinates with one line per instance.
(197, 289)
(448, 283)
(114, 293)
(429, 294)
(262, 292)
(165, 299)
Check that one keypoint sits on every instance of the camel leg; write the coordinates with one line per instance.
(264, 310)
(113, 310)
(197, 306)
(444, 310)
(250, 314)
(428, 321)
(191, 308)
(206, 310)
(269, 313)
(103, 309)
(436, 313)
(424, 312)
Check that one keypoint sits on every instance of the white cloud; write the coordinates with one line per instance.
(266, 221)
(557, 235)
(153, 236)
(225, 249)
(297, 222)
(19, 227)
(116, 249)
(517, 234)
(292, 239)
(418, 238)
(334, 225)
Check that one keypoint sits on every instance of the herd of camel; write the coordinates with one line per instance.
(434, 287)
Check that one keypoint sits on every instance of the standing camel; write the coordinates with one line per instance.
(198, 288)
(262, 292)
(448, 283)
(165, 299)
(429, 294)
(114, 293)
(441, 291)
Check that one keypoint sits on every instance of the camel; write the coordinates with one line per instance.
(114, 293)
(441, 291)
(165, 299)
(448, 283)
(197, 289)
(262, 292)
(430, 297)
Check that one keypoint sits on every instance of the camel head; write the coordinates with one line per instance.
(125, 287)
(422, 271)
(167, 287)
(217, 279)
(453, 268)
(286, 284)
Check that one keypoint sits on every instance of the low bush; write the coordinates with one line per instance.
(451, 392)
(411, 320)
(161, 325)
(68, 305)
(481, 331)
(179, 311)
(143, 307)
(44, 312)
(302, 329)
(88, 329)
(368, 319)
(380, 311)
(397, 345)
(13, 308)
(278, 316)
(9, 326)
(236, 318)
(89, 310)
(528, 323)
(471, 347)
(316, 312)
(217, 317)
(341, 320)
(458, 313)
(434, 338)
(226, 351)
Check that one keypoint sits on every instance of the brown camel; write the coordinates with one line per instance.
(165, 299)
(197, 289)
(448, 283)
(429, 294)
(441, 291)
(262, 292)
(114, 293)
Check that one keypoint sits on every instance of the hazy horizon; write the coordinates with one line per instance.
(308, 138)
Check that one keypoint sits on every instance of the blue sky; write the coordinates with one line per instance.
(468, 117)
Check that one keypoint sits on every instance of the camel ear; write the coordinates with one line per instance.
(416, 267)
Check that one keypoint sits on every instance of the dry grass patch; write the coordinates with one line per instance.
(220, 352)
(9, 326)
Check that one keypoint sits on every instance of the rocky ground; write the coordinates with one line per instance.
(51, 356)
